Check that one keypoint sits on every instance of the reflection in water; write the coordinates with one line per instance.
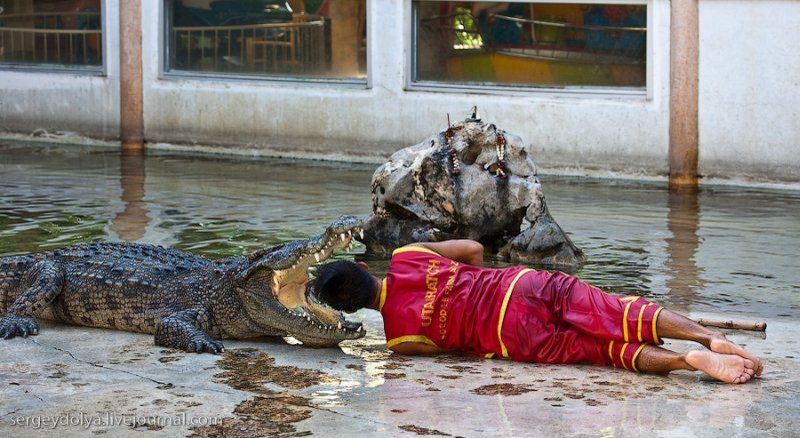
(684, 281)
(130, 224)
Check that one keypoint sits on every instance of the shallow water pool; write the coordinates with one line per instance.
(727, 249)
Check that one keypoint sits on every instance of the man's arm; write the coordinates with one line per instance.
(460, 250)
(415, 349)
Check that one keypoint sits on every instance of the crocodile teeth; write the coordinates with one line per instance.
(339, 326)
(349, 233)
(341, 236)
(361, 234)
(316, 256)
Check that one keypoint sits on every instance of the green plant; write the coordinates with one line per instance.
(467, 36)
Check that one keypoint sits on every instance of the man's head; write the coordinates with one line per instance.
(345, 286)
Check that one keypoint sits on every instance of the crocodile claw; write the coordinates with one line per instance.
(205, 345)
(12, 325)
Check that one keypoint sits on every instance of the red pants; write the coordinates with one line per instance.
(556, 318)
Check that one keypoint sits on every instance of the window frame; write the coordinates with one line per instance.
(101, 70)
(165, 73)
(412, 84)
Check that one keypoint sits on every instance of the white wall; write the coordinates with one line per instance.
(750, 88)
(589, 130)
(87, 104)
(749, 100)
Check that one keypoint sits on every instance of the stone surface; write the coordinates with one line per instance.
(273, 387)
(472, 180)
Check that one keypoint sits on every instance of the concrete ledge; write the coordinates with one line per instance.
(41, 137)
(549, 163)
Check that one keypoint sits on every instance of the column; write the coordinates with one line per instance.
(683, 99)
(130, 77)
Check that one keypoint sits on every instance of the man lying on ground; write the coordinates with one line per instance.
(437, 297)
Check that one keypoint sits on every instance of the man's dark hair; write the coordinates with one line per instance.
(344, 285)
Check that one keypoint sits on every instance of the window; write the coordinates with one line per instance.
(53, 33)
(550, 45)
(318, 39)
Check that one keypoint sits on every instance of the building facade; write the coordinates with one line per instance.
(587, 84)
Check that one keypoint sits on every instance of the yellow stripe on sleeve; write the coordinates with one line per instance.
(410, 338)
(503, 349)
(655, 318)
(412, 248)
(383, 295)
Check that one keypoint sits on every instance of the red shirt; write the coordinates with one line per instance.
(429, 298)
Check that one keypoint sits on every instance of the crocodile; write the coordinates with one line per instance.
(188, 302)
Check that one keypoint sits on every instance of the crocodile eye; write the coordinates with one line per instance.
(383, 190)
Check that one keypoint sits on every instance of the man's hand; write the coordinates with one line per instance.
(461, 250)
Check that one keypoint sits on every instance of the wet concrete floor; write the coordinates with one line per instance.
(69, 381)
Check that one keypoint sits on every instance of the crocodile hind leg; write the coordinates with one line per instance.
(184, 330)
(43, 281)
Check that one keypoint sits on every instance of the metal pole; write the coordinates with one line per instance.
(683, 98)
(130, 77)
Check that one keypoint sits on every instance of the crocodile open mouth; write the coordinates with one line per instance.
(292, 288)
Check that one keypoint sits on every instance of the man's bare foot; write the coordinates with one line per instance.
(728, 368)
(720, 344)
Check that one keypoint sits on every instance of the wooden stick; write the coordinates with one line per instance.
(755, 326)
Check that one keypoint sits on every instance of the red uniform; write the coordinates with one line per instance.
(518, 313)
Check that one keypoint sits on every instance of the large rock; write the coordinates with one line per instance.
(473, 181)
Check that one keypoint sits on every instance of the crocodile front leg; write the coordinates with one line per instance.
(185, 330)
(43, 283)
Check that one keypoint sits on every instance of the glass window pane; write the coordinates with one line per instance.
(64, 33)
(294, 38)
(531, 44)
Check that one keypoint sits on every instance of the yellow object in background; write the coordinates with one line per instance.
(499, 68)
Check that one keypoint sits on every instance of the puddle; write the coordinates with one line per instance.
(251, 370)
(503, 389)
(272, 411)
(422, 431)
